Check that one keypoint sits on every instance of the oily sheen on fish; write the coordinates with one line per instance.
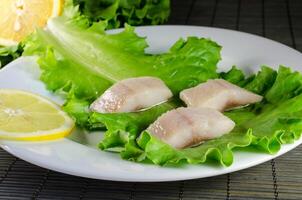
(218, 94)
(132, 94)
(184, 127)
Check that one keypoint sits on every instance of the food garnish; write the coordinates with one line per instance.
(29, 117)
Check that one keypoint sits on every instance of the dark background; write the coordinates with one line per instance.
(280, 20)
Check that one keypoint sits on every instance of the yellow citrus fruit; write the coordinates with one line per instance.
(19, 18)
(30, 117)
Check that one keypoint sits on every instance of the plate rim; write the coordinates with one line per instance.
(225, 170)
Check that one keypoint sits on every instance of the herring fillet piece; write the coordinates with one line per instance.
(184, 127)
(218, 94)
(132, 94)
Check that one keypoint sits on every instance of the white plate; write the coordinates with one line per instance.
(82, 159)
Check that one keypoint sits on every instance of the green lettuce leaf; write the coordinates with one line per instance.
(234, 75)
(79, 110)
(119, 12)
(264, 127)
(217, 150)
(82, 61)
(288, 85)
(86, 60)
(260, 83)
(124, 128)
(8, 54)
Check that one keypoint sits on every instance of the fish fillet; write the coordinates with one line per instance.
(132, 94)
(184, 127)
(218, 94)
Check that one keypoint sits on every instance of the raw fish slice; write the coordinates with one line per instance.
(184, 127)
(218, 94)
(132, 94)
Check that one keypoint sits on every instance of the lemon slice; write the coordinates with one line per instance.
(29, 117)
(19, 18)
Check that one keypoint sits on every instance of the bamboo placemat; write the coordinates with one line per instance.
(280, 20)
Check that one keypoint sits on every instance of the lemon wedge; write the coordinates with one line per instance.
(19, 18)
(30, 117)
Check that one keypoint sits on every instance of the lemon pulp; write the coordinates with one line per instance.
(19, 18)
(26, 116)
